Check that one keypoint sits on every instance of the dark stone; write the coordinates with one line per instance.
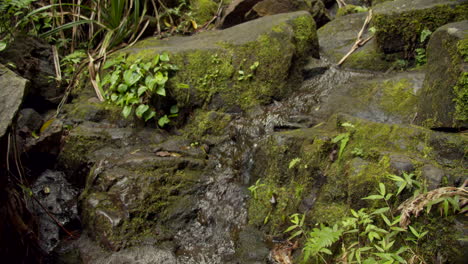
(34, 61)
(433, 175)
(401, 164)
(28, 120)
(12, 91)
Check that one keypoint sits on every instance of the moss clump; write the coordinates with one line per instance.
(153, 200)
(350, 9)
(398, 97)
(460, 91)
(305, 36)
(203, 10)
(207, 123)
(400, 32)
(368, 57)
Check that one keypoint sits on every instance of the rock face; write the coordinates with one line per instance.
(399, 23)
(34, 61)
(337, 37)
(239, 67)
(240, 11)
(443, 101)
(12, 90)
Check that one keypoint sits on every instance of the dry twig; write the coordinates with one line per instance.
(415, 205)
(359, 41)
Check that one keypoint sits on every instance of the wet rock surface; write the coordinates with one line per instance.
(13, 89)
(220, 188)
(56, 207)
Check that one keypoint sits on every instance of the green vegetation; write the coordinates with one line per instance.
(133, 86)
(378, 234)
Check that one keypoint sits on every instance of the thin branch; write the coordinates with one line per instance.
(359, 41)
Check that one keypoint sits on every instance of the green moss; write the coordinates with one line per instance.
(350, 9)
(305, 35)
(400, 32)
(203, 10)
(398, 97)
(460, 91)
(207, 123)
(328, 212)
(368, 57)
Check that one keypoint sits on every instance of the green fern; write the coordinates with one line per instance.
(319, 239)
(15, 4)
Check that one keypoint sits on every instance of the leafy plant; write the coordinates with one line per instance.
(133, 86)
(293, 162)
(244, 76)
(253, 188)
(421, 52)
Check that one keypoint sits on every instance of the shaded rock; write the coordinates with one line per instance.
(337, 37)
(59, 198)
(401, 164)
(34, 61)
(252, 249)
(29, 121)
(390, 98)
(217, 64)
(443, 101)
(236, 12)
(12, 90)
(399, 23)
(433, 175)
(245, 10)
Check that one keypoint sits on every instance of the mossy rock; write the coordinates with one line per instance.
(218, 69)
(302, 172)
(444, 98)
(399, 23)
(12, 90)
(337, 38)
(391, 98)
(141, 193)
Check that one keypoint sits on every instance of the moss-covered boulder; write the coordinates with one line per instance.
(399, 23)
(239, 67)
(240, 11)
(307, 171)
(337, 38)
(443, 101)
(138, 184)
(12, 90)
(389, 98)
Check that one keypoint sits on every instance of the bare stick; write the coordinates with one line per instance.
(359, 41)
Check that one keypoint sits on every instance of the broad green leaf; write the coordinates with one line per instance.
(109, 63)
(142, 90)
(3, 45)
(402, 187)
(326, 251)
(131, 77)
(150, 82)
(122, 88)
(161, 91)
(156, 60)
(174, 109)
(160, 78)
(126, 111)
(140, 110)
(399, 229)
(164, 57)
(163, 121)
(149, 114)
(114, 97)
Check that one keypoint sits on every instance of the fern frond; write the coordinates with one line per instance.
(321, 238)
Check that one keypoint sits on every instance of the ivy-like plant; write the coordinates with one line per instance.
(134, 85)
